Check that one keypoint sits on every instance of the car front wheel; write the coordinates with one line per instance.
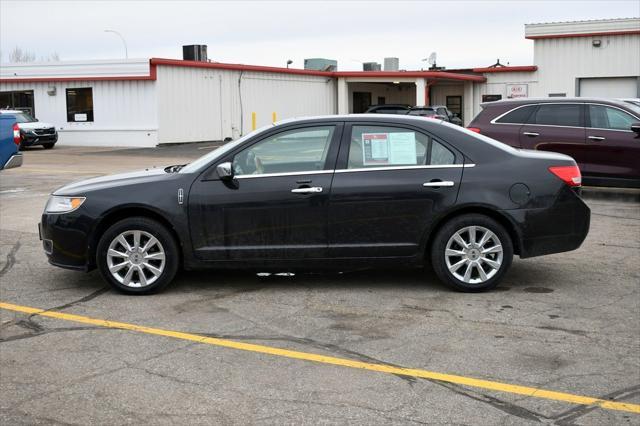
(471, 253)
(137, 256)
(48, 145)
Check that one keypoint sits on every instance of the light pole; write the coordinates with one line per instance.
(126, 51)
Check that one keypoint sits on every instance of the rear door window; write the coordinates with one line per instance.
(517, 116)
(604, 117)
(382, 146)
(558, 115)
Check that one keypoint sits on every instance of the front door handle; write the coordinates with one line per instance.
(531, 134)
(438, 183)
(596, 138)
(310, 190)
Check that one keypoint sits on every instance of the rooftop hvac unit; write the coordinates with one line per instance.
(391, 64)
(370, 66)
(195, 52)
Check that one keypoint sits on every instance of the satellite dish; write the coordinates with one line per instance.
(431, 60)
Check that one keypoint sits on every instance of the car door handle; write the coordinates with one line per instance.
(531, 134)
(438, 183)
(596, 138)
(310, 190)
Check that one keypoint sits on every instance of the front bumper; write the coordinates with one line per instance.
(30, 139)
(559, 228)
(14, 161)
(65, 239)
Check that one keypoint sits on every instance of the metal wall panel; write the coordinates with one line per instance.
(561, 61)
(124, 112)
(199, 104)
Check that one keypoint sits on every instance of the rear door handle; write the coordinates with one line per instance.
(310, 190)
(596, 138)
(531, 134)
(438, 183)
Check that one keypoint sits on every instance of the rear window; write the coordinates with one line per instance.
(518, 115)
(558, 115)
(392, 110)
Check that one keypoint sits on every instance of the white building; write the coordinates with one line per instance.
(149, 102)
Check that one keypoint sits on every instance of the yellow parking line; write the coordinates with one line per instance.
(450, 378)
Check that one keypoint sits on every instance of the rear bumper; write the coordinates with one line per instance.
(14, 161)
(559, 228)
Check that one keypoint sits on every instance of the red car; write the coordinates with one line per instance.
(602, 135)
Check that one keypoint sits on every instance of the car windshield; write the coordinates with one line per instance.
(203, 161)
(22, 117)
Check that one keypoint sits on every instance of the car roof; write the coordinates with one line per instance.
(524, 101)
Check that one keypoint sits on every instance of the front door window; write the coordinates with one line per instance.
(299, 150)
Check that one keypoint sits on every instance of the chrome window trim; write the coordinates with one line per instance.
(494, 121)
(308, 172)
(369, 169)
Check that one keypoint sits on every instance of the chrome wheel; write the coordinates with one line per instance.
(135, 258)
(474, 254)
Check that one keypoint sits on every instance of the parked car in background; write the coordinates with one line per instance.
(388, 109)
(32, 131)
(9, 142)
(633, 101)
(438, 112)
(602, 135)
(335, 192)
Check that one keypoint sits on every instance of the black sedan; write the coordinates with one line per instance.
(338, 192)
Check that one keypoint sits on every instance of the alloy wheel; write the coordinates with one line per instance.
(474, 254)
(135, 258)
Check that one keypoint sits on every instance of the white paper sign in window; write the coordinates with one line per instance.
(80, 117)
(402, 148)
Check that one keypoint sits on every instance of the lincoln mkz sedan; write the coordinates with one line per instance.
(336, 192)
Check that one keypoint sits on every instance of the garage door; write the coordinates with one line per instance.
(614, 87)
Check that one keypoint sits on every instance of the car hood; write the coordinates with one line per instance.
(123, 179)
(35, 125)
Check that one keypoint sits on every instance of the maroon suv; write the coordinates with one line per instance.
(602, 135)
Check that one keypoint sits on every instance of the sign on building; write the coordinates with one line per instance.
(517, 91)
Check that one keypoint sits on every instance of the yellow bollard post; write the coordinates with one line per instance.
(274, 118)
(253, 121)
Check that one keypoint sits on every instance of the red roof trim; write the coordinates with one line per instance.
(603, 33)
(154, 62)
(525, 68)
(237, 67)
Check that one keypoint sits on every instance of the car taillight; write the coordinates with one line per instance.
(16, 134)
(474, 129)
(568, 174)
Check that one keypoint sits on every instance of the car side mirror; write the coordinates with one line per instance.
(225, 170)
(635, 127)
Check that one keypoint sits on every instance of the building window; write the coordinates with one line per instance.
(491, 98)
(21, 100)
(80, 104)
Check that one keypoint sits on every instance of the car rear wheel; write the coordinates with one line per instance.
(137, 256)
(48, 145)
(471, 253)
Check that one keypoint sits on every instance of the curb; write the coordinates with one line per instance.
(627, 195)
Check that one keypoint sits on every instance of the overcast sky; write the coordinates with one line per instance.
(463, 33)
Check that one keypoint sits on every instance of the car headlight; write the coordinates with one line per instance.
(57, 204)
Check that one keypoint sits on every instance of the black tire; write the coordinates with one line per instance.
(459, 223)
(166, 243)
(48, 145)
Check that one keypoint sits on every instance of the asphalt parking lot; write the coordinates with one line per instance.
(558, 342)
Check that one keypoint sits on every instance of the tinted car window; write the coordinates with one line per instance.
(392, 110)
(381, 146)
(603, 117)
(557, 115)
(292, 151)
(422, 112)
(518, 115)
(440, 155)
